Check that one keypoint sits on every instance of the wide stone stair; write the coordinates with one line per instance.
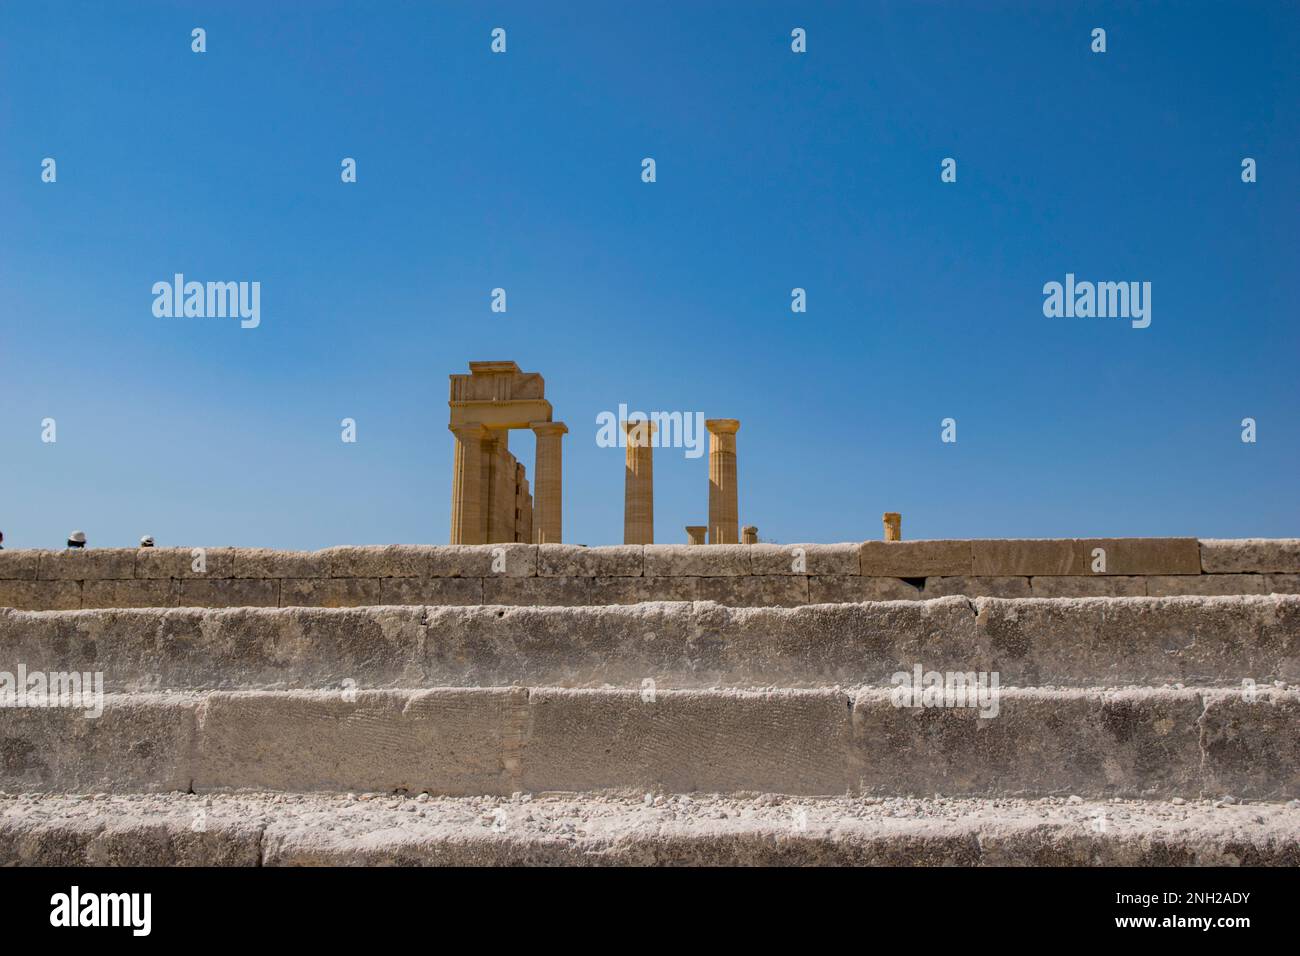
(1126, 730)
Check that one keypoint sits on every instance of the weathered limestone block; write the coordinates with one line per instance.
(841, 588)
(1201, 642)
(580, 592)
(1085, 742)
(453, 591)
(139, 743)
(270, 563)
(141, 592)
(446, 741)
(567, 560)
(381, 561)
(330, 592)
(567, 646)
(41, 595)
(1252, 746)
(228, 592)
(1250, 555)
(684, 560)
(19, 565)
(790, 741)
(1060, 556)
(1172, 585)
(805, 558)
(1007, 587)
(180, 562)
(484, 561)
(915, 559)
(136, 837)
(753, 590)
(1098, 585)
(1282, 584)
(86, 565)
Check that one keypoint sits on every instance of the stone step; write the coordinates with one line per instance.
(463, 741)
(1088, 642)
(261, 829)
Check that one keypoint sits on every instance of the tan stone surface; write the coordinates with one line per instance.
(638, 483)
(1282, 584)
(1010, 587)
(1162, 585)
(159, 592)
(720, 741)
(382, 561)
(566, 560)
(916, 559)
(452, 741)
(449, 591)
(1124, 556)
(672, 560)
(484, 561)
(269, 563)
(1250, 555)
(893, 525)
(179, 563)
(467, 503)
(1097, 585)
(19, 565)
(724, 507)
(330, 592)
(812, 558)
(88, 564)
(1083, 742)
(41, 595)
(548, 482)
(753, 590)
(697, 534)
(845, 588)
(228, 592)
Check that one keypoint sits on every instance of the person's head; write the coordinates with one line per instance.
(146, 541)
(77, 539)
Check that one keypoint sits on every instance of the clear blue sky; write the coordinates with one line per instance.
(775, 170)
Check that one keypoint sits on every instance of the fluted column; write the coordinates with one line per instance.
(467, 484)
(547, 481)
(724, 508)
(638, 484)
(893, 526)
(697, 533)
(749, 534)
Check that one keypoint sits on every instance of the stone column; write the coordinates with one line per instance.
(724, 509)
(547, 481)
(893, 526)
(749, 534)
(638, 484)
(467, 484)
(696, 533)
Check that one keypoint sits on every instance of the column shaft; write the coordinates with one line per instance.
(547, 481)
(638, 484)
(724, 510)
(466, 484)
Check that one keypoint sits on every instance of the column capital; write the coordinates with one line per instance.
(549, 428)
(467, 430)
(722, 426)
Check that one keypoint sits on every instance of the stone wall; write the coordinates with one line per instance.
(739, 575)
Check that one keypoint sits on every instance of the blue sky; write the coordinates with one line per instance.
(774, 170)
